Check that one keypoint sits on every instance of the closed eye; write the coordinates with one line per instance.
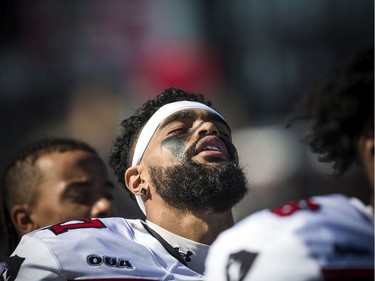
(79, 193)
(179, 130)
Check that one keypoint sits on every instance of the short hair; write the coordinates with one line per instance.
(20, 171)
(123, 146)
(342, 109)
(20, 177)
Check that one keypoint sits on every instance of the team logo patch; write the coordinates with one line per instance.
(239, 264)
(96, 260)
(11, 268)
(185, 256)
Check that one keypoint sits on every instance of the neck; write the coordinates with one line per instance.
(203, 227)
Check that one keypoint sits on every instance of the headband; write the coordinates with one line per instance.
(152, 125)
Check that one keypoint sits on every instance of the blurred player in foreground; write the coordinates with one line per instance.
(175, 156)
(324, 237)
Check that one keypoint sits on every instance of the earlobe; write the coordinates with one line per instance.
(21, 218)
(133, 180)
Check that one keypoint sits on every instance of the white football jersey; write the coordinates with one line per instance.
(95, 249)
(322, 238)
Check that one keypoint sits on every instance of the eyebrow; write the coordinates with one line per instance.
(187, 114)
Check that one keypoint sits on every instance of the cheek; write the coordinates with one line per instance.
(46, 214)
(71, 211)
(231, 150)
(176, 145)
(60, 212)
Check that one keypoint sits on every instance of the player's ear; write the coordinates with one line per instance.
(133, 179)
(366, 152)
(21, 218)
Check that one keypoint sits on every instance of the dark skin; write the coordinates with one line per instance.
(179, 133)
(74, 184)
(167, 148)
(175, 145)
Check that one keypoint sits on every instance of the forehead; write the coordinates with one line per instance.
(192, 115)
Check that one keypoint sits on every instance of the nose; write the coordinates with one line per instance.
(102, 208)
(207, 128)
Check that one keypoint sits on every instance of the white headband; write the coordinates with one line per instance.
(154, 122)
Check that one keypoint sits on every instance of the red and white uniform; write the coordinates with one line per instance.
(323, 238)
(95, 249)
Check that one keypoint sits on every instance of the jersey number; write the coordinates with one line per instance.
(290, 208)
(86, 223)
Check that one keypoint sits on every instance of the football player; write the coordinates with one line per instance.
(175, 156)
(50, 181)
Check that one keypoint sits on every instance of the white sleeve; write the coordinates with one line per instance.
(301, 240)
(32, 260)
(256, 250)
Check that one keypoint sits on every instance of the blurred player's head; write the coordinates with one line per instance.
(188, 159)
(342, 107)
(51, 181)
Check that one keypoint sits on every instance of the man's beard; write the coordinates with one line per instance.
(196, 187)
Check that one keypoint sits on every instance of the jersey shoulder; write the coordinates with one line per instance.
(321, 219)
(59, 250)
(316, 235)
(81, 229)
(324, 211)
(95, 249)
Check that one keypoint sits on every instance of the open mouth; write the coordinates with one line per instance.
(211, 146)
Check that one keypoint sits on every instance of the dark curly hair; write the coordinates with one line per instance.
(20, 178)
(122, 151)
(342, 107)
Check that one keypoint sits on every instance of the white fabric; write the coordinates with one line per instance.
(118, 250)
(198, 250)
(337, 238)
(154, 122)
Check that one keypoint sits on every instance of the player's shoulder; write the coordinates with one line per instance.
(304, 208)
(79, 235)
(292, 216)
(83, 228)
(329, 231)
